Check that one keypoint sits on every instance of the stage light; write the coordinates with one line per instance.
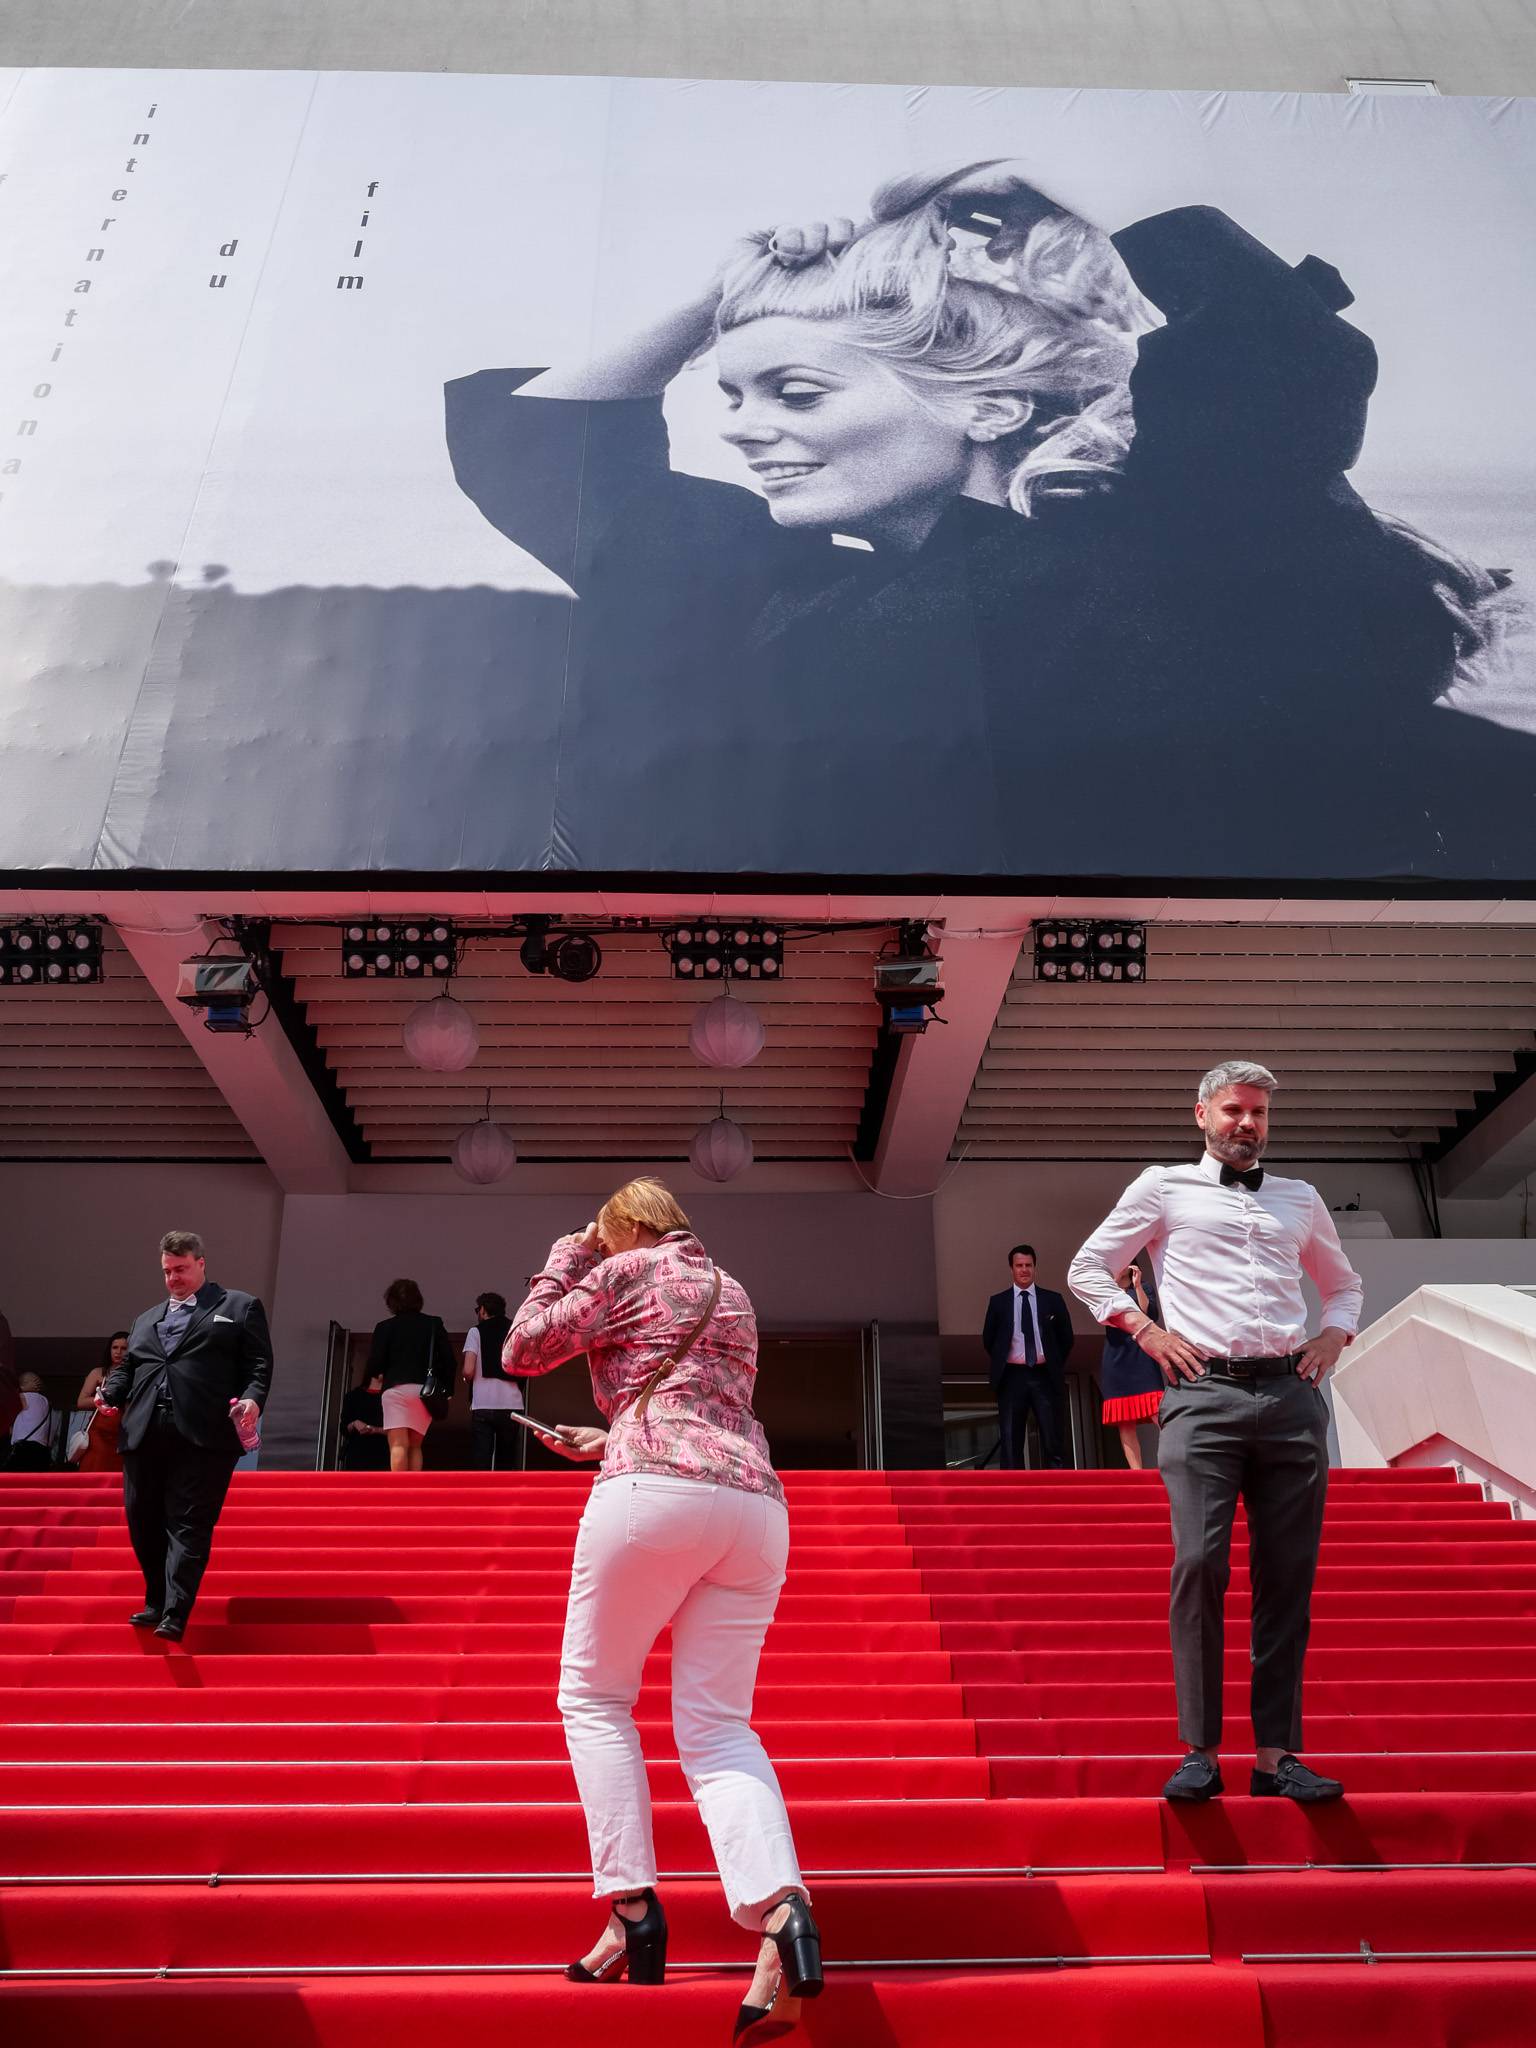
(1084, 949)
(414, 950)
(223, 986)
(748, 950)
(44, 952)
(907, 984)
(575, 957)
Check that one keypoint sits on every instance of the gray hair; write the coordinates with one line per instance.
(1237, 1074)
(182, 1244)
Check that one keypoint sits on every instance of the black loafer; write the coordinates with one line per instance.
(1291, 1779)
(172, 1628)
(147, 1617)
(1197, 1778)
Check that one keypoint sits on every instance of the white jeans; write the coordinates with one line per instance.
(710, 1560)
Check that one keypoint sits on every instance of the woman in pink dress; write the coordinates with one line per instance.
(685, 1526)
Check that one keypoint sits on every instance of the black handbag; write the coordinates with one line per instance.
(437, 1381)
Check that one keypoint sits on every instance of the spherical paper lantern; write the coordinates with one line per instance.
(726, 1033)
(441, 1035)
(484, 1153)
(721, 1149)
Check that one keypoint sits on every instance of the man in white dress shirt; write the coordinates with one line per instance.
(1244, 1413)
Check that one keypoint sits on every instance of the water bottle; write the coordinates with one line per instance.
(249, 1433)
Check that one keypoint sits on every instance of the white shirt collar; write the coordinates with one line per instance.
(1210, 1166)
(1023, 1290)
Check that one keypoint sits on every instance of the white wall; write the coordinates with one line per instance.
(79, 1245)
(808, 1260)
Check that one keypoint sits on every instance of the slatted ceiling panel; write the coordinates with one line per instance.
(102, 1072)
(601, 1068)
(1380, 1035)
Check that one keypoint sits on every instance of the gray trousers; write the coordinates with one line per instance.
(1266, 1439)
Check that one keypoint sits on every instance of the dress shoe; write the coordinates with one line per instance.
(798, 1941)
(1197, 1778)
(644, 1954)
(1291, 1779)
(147, 1617)
(172, 1628)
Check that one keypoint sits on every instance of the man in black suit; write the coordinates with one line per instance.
(1028, 1338)
(196, 1365)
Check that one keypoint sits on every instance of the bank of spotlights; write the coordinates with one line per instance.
(41, 953)
(413, 949)
(1090, 949)
(748, 950)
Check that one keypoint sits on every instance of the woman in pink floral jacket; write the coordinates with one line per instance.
(686, 1525)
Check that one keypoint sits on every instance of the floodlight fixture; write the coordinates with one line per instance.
(47, 952)
(223, 986)
(413, 948)
(721, 949)
(1090, 949)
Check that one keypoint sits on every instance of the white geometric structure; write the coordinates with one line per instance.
(441, 1035)
(1449, 1375)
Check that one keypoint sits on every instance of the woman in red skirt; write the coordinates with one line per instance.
(1132, 1383)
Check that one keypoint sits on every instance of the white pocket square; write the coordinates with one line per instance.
(222, 1319)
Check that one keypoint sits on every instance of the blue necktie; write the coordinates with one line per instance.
(1027, 1329)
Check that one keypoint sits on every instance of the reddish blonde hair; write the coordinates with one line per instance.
(643, 1204)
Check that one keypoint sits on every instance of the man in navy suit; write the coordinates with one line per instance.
(197, 1363)
(1028, 1338)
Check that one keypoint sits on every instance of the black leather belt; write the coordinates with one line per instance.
(1253, 1368)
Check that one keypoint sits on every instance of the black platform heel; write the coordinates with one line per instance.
(798, 1942)
(644, 1954)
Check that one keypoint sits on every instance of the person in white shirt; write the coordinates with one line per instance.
(35, 1430)
(1245, 1412)
(496, 1443)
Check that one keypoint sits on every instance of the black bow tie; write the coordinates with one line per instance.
(1252, 1179)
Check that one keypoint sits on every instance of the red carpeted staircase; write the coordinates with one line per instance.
(339, 1816)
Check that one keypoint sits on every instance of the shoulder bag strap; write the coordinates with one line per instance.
(680, 1353)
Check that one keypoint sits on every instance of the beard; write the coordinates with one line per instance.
(1236, 1151)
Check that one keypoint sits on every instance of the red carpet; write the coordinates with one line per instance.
(340, 1816)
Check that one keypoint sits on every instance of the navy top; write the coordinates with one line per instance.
(1125, 1368)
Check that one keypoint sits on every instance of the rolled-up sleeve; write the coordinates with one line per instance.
(1323, 1261)
(1135, 1223)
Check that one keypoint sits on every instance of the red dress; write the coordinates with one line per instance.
(101, 1453)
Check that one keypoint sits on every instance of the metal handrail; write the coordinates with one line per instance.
(1366, 1954)
(468, 1969)
(213, 1879)
(1281, 1869)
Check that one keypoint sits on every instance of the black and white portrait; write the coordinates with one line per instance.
(638, 477)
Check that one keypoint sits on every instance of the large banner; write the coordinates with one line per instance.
(462, 474)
